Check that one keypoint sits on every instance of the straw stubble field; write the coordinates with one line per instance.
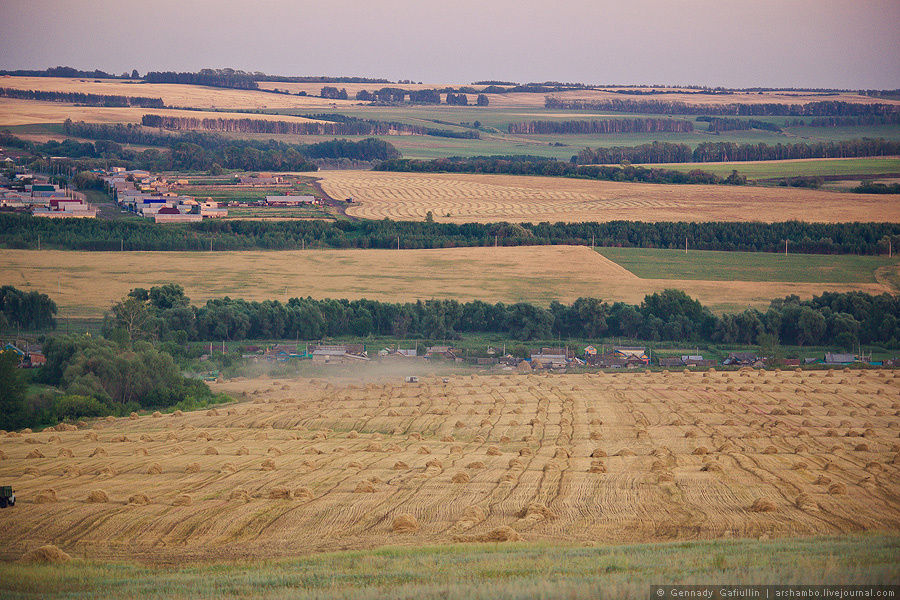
(307, 465)
(466, 198)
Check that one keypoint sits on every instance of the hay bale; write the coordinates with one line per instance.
(45, 555)
(475, 465)
(35, 454)
(268, 465)
(280, 493)
(597, 466)
(177, 413)
(64, 453)
(460, 477)
(243, 450)
(861, 448)
(711, 467)
(98, 451)
(404, 523)
(536, 512)
(770, 450)
(499, 534)
(493, 451)
(47, 496)
(624, 452)
(836, 489)
(400, 466)
(97, 497)
(154, 469)
(598, 453)
(353, 434)
(423, 450)
(374, 447)
(700, 450)
(139, 499)
(762, 505)
(239, 494)
(192, 468)
(664, 477)
(303, 493)
(182, 500)
(364, 487)
(211, 451)
(434, 463)
(525, 452)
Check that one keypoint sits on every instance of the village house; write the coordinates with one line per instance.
(338, 353)
(838, 358)
(445, 352)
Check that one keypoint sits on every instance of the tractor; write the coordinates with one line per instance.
(7, 497)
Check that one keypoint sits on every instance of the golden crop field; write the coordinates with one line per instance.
(465, 198)
(307, 465)
(29, 112)
(172, 94)
(85, 284)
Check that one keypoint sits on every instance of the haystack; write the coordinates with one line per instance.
(762, 505)
(139, 499)
(404, 523)
(46, 555)
(182, 500)
(97, 496)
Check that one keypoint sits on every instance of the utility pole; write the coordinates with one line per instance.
(495, 240)
(785, 247)
(592, 241)
(398, 242)
(210, 245)
(39, 242)
(122, 247)
(685, 244)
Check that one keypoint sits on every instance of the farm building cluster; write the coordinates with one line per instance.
(545, 358)
(27, 192)
(156, 198)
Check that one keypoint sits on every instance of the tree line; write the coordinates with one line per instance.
(332, 126)
(834, 319)
(393, 95)
(554, 168)
(23, 231)
(730, 124)
(82, 98)
(667, 152)
(602, 126)
(824, 108)
(858, 121)
(225, 78)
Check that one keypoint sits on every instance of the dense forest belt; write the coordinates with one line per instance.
(728, 124)
(347, 127)
(827, 108)
(81, 98)
(861, 121)
(666, 152)
(25, 231)
(603, 126)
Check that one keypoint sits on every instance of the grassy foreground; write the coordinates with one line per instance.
(479, 571)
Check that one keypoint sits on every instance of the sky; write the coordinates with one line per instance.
(775, 43)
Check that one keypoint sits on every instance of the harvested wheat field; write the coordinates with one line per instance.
(307, 465)
(538, 274)
(172, 94)
(466, 198)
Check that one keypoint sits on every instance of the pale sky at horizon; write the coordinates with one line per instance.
(804, 43)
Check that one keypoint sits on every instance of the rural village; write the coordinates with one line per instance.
(519, 300)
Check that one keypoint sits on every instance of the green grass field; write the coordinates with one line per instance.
(488, 571)
(652, 263)
(792, 168)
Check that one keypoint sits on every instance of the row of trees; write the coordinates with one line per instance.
(731, 124)
(555, 168)
(392, 95)
(841, 319)
(666, 152)
(824, 108)
(23, 231)
(335, 125)
(647, 125)
(861, 121)
(82, 98)
(226, 78)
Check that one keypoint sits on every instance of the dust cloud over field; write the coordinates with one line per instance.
(466, 198)
(308, 465)
(85, 284)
